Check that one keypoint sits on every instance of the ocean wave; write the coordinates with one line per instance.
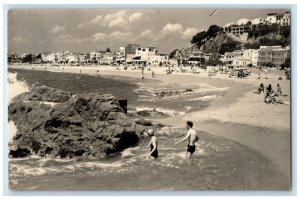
(158, 110)
(206, 98)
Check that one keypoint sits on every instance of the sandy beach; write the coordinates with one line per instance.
(240, 115)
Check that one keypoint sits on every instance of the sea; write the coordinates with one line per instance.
(217, 164)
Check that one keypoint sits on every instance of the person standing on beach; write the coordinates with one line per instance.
(192, 138)
(153, 74)
(142, 72)
(153, 145)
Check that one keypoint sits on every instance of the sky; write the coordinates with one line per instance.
(85, 30)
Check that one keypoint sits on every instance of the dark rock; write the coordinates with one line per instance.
(90, 125)
(143, 122)
(19, 153)
(44, 93)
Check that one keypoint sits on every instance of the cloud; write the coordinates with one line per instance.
(97, 19)
(116, 35)
(242, 21)
(147, 34)
(67, 38)
(120, 19)
(118, 22)
(135, 16)
(63, 37)
(189, 33)
(99, 37)
(120, 35)
(171, 29)
(70, 39)
(42, 41)
(57, 29)
(19, 39)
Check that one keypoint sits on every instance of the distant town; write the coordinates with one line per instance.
(277, 56)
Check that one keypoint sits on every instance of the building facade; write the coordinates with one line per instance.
(272, 55)
(144, 55)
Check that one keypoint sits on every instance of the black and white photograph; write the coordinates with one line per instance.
(149, 98)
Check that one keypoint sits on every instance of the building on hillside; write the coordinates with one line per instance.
(286, 19)
(274, 55)
(257, 21)
(207, 56)
(196, 58)
(237, 29)
(240, 58)
(274, 18)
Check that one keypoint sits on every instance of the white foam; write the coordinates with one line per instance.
(206, 98)
(129, 151)
(12, 128)
(162, 110)
(15, 87)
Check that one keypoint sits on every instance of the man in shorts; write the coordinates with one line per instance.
(192, 138)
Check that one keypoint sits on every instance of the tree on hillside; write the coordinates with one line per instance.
(271, 42)
(285, 31)
(213, 30)
(108, 50)
(172, 54)
(199, 38)
(262, 30)
(229, 47)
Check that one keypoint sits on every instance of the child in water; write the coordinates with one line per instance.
(153, 145)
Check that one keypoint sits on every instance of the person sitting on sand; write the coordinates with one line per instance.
(261, 88)
(153, 145)
(192, 138)
(269, 98)
(269, 89)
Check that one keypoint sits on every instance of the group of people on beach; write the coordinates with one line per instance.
(191, 137)
(270, 94)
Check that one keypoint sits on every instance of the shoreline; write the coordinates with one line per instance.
(241, 117)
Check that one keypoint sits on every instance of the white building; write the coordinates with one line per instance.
(257, 21)
(95, 56)
(286, 19)
(120, 55)
(160, 59)
(144, 55)
(275, 55)
(254, 57)
(108, 58)
(241, 58)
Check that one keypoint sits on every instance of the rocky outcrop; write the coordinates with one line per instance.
(90, 125)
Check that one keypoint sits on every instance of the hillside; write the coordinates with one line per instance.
(215, 40)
